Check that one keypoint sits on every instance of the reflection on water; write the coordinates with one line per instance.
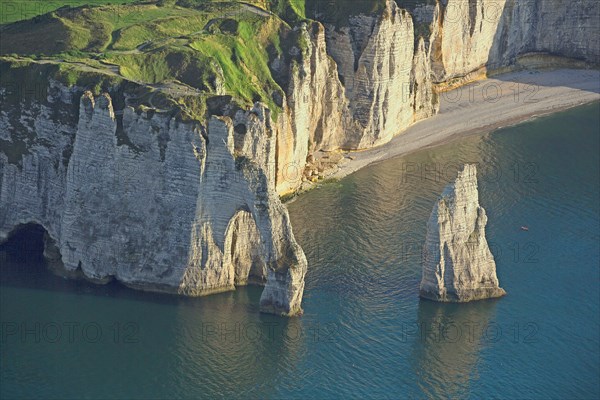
(244, 353)
(365, 333)
(448, 339)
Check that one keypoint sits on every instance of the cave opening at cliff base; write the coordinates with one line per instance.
(24, 245)
(22, 254)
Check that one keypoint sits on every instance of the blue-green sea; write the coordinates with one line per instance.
(364, 333)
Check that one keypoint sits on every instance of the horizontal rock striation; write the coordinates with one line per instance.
(458, 265)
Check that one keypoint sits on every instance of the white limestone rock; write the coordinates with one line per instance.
(358, 85)
(493, 33)
(458, 265)
(149, 201)
(375, 58)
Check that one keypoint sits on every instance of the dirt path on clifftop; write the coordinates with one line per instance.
(484, 106)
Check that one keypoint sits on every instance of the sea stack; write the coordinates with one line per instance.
(458, 265)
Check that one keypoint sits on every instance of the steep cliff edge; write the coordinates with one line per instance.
(457, 263)
(370, 79)
(381, 71)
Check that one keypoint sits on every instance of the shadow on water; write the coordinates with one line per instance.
(362, 237)
(221, 336)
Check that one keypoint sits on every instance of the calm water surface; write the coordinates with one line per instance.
(364, 332)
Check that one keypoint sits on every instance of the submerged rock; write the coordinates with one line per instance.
(458, 265)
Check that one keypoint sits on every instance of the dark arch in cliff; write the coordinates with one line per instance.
(25, 243)
(30, 247)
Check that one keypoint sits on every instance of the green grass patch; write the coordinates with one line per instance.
(94, 29)
(168, 64)
(338, 12)
(215, 47)
(291, 11)
(244, 60)
(19, 10)
(97, 83)
(134, 35)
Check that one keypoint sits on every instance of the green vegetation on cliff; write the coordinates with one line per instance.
(98, 29)
(244, 60)
(338, 12)
(190, 49)
(13, 10)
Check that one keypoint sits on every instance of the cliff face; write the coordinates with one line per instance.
(193, 207)
(489, 33)
(457, 263)
(316, 112)
(149, 201)
(375, 59)
(359, 84)
(354, 87)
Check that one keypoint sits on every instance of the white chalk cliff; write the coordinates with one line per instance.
(167, 211)
(162, 204)
(458, 265)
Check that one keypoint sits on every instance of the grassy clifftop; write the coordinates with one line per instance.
(338, 12)
(191, 49)
(18, 10)
(196, 48)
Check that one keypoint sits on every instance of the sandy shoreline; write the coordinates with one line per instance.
(484, 106)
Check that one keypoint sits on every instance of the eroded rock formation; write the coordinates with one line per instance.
(458, 265)
(140, 196)
(152, 203)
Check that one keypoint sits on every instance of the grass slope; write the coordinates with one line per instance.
(193, 49)
(18, 10)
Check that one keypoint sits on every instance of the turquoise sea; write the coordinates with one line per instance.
(365, 333)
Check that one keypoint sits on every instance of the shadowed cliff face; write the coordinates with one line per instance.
(372, 67)
(493, 33)
(355, 86)
(564, 28)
